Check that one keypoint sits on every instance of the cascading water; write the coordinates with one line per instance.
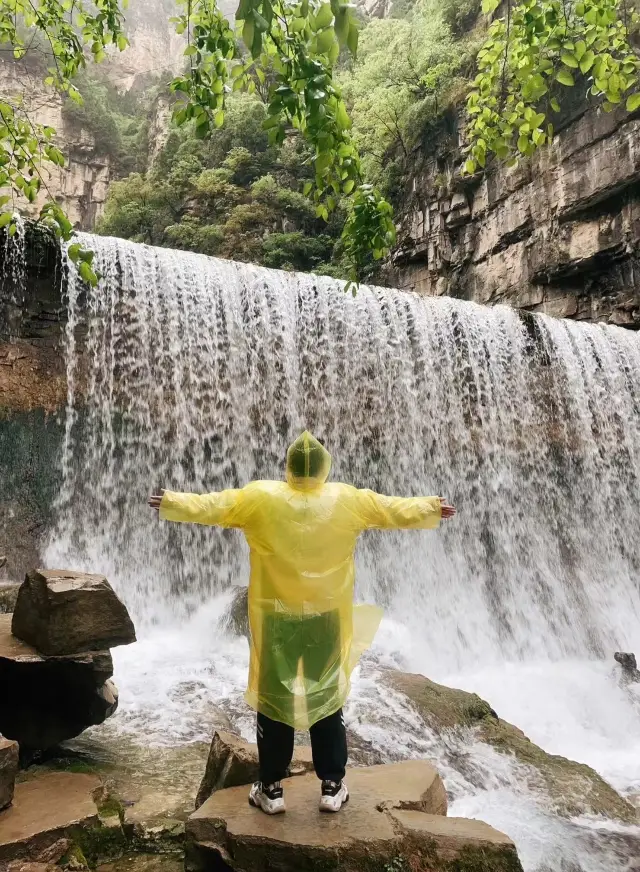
(194, 374)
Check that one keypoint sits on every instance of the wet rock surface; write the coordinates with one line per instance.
(45, 811)
(236, 620)
(396, 812)
(573, 788)
(61, 612)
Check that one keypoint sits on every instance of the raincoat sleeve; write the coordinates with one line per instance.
(380, 512)
(227, 508)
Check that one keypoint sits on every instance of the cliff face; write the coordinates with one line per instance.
(80, 186)
(559, 234)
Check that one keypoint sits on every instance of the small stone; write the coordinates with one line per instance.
(61, 612)
(8, 597)
(8, 770)
(55, 852)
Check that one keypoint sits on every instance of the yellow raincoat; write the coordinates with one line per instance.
(306, 634)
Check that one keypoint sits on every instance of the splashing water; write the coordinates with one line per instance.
(195, 374)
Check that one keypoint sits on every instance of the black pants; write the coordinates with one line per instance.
(328, 746)
(314, 641)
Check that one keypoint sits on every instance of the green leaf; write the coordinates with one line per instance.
(352, 39)
(489, 6)
(470, 166)
(218, 118)
(306, 190)
(633, 103)
(587, 61)
(5, 219)
(86, 273)
(565, 78)
(348, 186)
(555, 105)
(570, 60)
(323, 17)
(248, 33)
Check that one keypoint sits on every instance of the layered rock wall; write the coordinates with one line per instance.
(81, 185)
(559, 234)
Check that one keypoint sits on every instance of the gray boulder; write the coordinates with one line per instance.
(236, 620)
(61, 612)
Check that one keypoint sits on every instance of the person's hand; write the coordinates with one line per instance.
(448, 511)
(156, 499)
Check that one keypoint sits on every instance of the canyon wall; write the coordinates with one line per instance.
(81, 185)
(558, 234)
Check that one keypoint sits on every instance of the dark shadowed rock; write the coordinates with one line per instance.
(232, 761)
(630, 673)
(8, 770)
(61, 612)
(236, 620)
(46, 700)
(396, 811)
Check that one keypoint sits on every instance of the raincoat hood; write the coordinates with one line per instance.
(308, 463)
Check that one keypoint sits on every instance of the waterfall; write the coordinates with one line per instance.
(193, 373)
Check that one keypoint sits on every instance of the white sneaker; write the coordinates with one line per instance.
(334, 796)
(270, 798)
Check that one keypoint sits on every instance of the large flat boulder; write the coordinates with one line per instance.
(573, 788)
(396, 812)
(46, 700)
(8, 770)
(61, 612)
(232, 762)
(46, 813)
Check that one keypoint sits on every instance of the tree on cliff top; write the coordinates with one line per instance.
(286, 51)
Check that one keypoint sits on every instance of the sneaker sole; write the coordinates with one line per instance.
(327, 810)
(254, 804)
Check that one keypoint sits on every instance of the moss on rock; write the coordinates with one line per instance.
(573, 787)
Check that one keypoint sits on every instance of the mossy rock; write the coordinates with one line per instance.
(574, 788)
(101, 843)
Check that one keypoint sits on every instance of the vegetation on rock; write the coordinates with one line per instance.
(574, 788)
(298, 60)
(535, 51)
(232, 195)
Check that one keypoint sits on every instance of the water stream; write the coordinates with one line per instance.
(195, 374)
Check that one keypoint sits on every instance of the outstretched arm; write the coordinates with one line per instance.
(402, 513)
(222, 509)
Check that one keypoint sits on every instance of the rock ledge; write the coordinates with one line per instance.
(396, 812)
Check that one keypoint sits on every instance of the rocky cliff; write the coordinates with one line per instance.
(80, 186)
(559, 234)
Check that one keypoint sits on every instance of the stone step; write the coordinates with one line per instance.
(396, 813)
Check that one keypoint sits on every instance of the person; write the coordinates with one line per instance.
(306, 633)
